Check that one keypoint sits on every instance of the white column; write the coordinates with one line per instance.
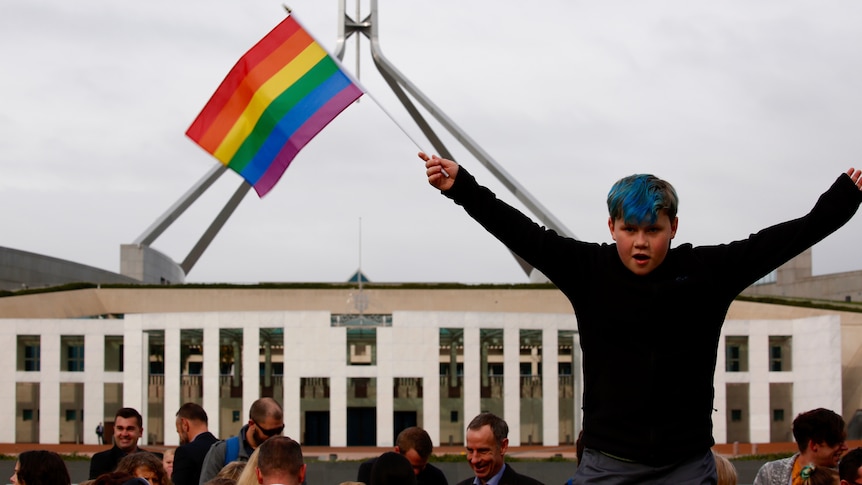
(385, 395)
(472, 383)
(49, 387)
(719, 384)
(8, 381)
(211, 374)
(431, 389)
(136, 349)
(512, 382)
(94, 382)
(550, 387)
(173, 390)
(758, 384)
(250, 364)
(338, 409)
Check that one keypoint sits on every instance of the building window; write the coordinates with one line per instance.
(29, 353)
(736, 354)
(736, 415)
(70, 414)
(32, 358)
(564, 368)
(76, 358)
(778, 415)
(453, 416)
(235, 416)
(775, 358)
(72, 353)
(779, 353)
(27, 415)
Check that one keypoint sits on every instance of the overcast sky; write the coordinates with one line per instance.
(751, 109)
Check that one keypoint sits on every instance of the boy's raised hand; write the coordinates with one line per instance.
(441, 172)
(855, 176)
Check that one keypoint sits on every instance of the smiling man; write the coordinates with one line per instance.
(128, 429)
(487, 442)
(265, 420)
(820, 436)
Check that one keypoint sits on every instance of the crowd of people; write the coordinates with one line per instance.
(259, 454)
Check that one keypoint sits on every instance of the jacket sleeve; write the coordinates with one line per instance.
(213, 463)
(535, 244)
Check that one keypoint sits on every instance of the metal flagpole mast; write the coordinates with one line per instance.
(402, 87)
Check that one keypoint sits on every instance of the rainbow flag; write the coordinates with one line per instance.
(277, 97)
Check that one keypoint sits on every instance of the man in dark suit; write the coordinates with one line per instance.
(487, 441)
(128, 429)
(415, 444)
(195, 442)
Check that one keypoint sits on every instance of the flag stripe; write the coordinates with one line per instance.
(303, 135)
(272, 142)
(276, 38)
(260, 82)
(296, 80)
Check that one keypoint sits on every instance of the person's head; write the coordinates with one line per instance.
(168, 461)
(415, 444)
(487, 441)
(392, 468)
(265, 420)
(234, 469)
(815, 475)
(642, 220)
(128, 429)
(39, 466)
(191, 421)
(725, 470)
(144, 465)
(280, 461)
(850, 467)
(820, 436)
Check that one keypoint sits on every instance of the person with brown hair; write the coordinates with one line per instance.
(40, 467)
(195, 442)
(415, 444)
(820, 437)
(145, 465)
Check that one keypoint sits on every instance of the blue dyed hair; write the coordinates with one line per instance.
(638, 199)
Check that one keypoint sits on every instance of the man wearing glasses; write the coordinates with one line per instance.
(820, 435)
(265, 420)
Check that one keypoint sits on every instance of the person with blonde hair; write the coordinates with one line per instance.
(725, 470)
(248, 475)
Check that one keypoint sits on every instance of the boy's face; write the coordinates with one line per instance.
(642, 248)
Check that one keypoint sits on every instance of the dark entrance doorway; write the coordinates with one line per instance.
(316, 428)
(361, 426)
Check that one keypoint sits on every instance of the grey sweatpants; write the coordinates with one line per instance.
(598, 468)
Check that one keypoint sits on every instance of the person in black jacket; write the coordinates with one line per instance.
(195, 442)
(128, 429)
(487, 441)
(415, 444)
(649, 316)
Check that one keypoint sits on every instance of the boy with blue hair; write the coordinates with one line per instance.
(626, 340)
